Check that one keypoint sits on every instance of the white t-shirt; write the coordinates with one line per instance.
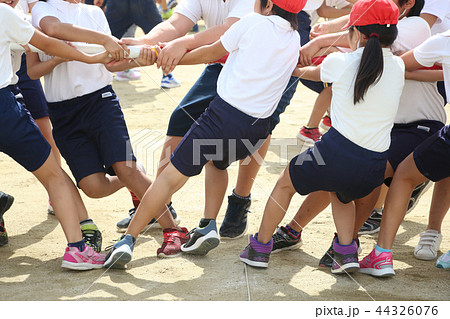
(314, 17)
(18, 31)
(420, 100)
(440, 9)
(263, 54)
(23, 4)
(369, 122)
(214, 12)
(436, 49)
(73, 79)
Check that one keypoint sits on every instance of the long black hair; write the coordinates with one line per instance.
(371, 65)
(289, 16)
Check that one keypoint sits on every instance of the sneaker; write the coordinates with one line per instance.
(128, 75)
(92, 236)
(428, 245)
(121, 253)
(326, 123)
(444, 261)
(173, 239)
(50, 209)
(345, 258)
(123, 224)
(284, 240)
(234, 224)
(257, 254)
(372, 224)
(172, 4)
(327, 258)
(82, 260)
(203, 240)
(416, 194)
(169, 82)
(6, 201)
(309, 135)
(166, 14)
(378, 266)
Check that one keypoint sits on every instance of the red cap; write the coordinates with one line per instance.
(366, 12)
(293, 6)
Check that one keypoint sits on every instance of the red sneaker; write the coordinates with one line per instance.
(309, 135)
(326, 123)
(173, 239)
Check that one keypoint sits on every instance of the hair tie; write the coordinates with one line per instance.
(376, 35)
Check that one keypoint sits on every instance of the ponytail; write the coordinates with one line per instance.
(371, 66)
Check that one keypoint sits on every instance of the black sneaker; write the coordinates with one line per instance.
(416, 194)
(202, 240)
(5, 203)
(327, 258)
(372, 224)
(345, 258)
(123, 224)
(234, 224)
(92, 236)
(284, 240)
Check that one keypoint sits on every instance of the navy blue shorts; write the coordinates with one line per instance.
(223, 135)
(432, 157)
(406, 137)
(204, 91)
(90, 132)
(32, 92)
(20, 137)
(335, 164)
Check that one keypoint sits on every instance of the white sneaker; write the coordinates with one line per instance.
(128, 75)
(428, 245)
(169, 82)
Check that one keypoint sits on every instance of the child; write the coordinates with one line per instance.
(259, 41)
(350, 160)
(19, 133)
(6, 201)
(429, 161)
(88, 124)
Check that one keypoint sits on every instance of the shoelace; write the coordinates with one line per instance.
(191, 231)
(114, 241)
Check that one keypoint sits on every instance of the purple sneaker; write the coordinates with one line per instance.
(257, 254)
(345, 258)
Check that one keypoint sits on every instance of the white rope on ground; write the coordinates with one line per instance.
(246, 279)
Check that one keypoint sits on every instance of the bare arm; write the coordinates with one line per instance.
(429, 18)
(204, 54)
(322, 44)
(325, 11)
(328, 27)
(37, 69)
(308, 73)
(410, 61)
(425, 75)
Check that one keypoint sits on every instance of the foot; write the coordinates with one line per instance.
(345, 258)
(123, 224)
(444, 261)
(257, 254)
(82, 260)
(416, 194)
(428, 245)
(327, 258)
(234, 224)
(172, 4)
(121, 253)
(309, 135)
(173, 239)
(202, 240)
(5, 203)
(326, 123)
(283, 239)
(169, 82)
(50, 209)
(128, 75)
(372, 224)
(92, 236)
(378, 266)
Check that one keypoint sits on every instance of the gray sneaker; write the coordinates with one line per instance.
(202, 240)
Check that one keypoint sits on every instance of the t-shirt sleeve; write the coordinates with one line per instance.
(230, 39)
(40, 11)
(191, 9)
(331, 67)
(241, 8)
(430, 52)
(18, 30)
(438, 8)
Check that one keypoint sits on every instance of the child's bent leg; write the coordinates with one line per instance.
(99, 185)
(312, 206)
(406, 178)
(216, 182)
(440, 204)
(321, 105)
(276, 206)
(46, 130)
(364, 207)
(170, 181)
(344, 219)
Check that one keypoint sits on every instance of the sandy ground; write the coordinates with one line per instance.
(30, 263)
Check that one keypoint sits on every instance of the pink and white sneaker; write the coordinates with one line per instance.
(82, 260)
(378, 266)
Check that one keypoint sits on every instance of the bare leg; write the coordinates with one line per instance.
(364, 207)
(406, 178)
(165, 185)
(46, 130)
(321, 105)
(216, 182)
(313, 204)
(344, 219)
(276, 206)
(440, 204)
(99, 185)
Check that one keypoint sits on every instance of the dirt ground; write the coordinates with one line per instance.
(30, 265)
